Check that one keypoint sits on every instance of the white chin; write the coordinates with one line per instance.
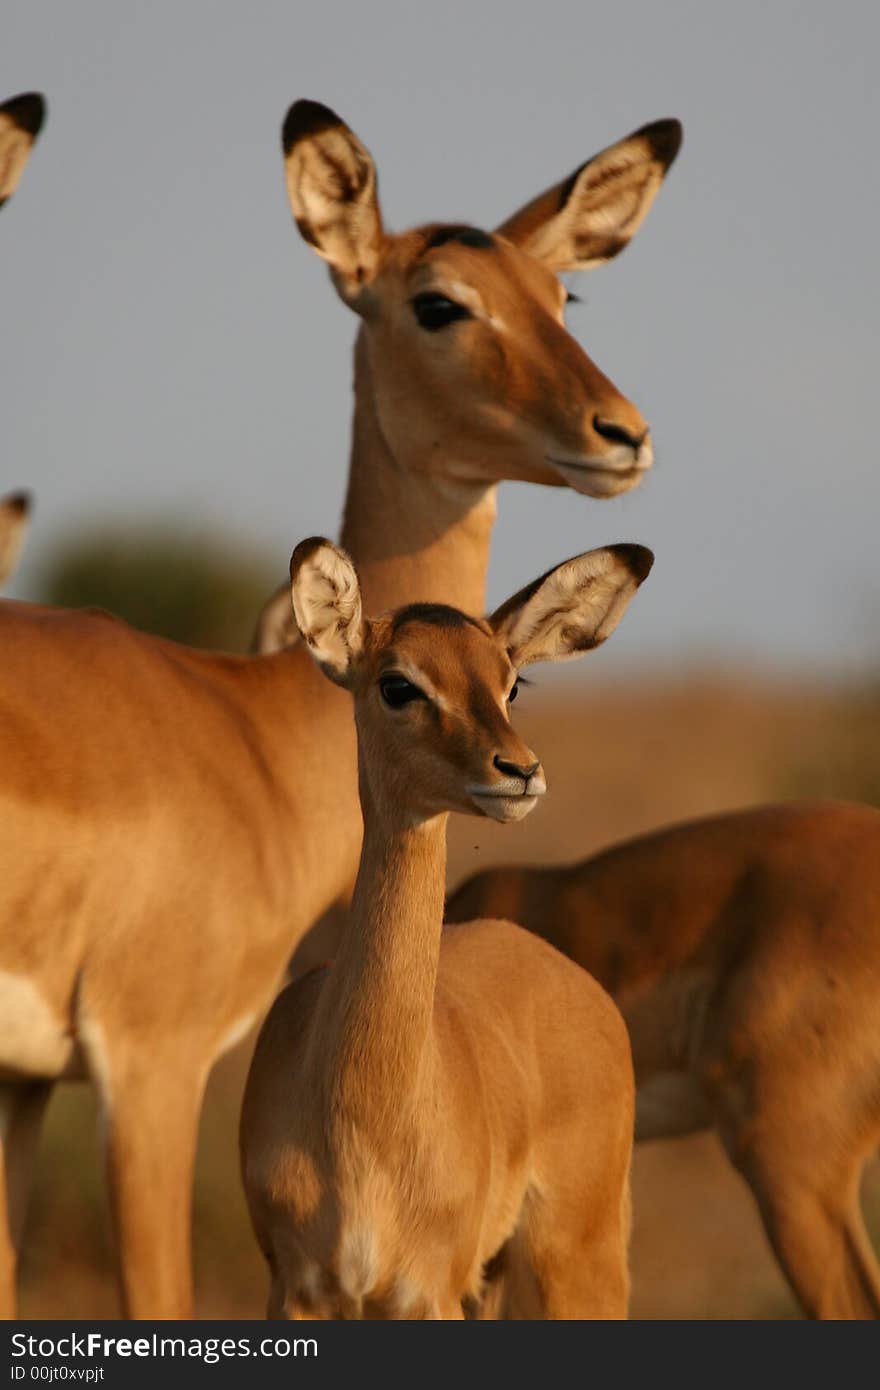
(597, 481)
(618, 471)
(505, 808)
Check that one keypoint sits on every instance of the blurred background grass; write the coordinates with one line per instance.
(189, 584)
(621, 757)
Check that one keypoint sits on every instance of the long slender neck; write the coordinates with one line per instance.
(415, 536)
(377, 1006)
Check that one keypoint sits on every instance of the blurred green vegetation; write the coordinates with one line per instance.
(202, 589)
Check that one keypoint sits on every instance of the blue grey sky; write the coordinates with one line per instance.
(172, 348)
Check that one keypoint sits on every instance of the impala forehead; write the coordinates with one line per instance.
(491, 275)
(450, 661)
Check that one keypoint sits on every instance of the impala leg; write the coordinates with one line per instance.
(570, 1265)
(820, 1240)
(809, 1204)
(21, 1113)
(276, 1308)
(152, 1115)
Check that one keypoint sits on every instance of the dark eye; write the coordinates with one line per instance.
(572, 298)
(435, 311)
(397, 691)
(513, 693)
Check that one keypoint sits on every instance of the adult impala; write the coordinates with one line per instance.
(744, 952)
(431, 1121)
(177, 819)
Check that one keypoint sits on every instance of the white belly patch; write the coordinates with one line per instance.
(34, 1040)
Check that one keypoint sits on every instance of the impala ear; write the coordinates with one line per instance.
(572, 608)
(20, 120)
(331, 183)
(327, 606)
(593, 214)
(14, 515)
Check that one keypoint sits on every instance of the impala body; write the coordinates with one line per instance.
(175, 820)
(440, 1126)
(744, 952)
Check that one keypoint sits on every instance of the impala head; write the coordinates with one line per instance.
(469, 356)
(433, 687)
(14, 516)
(20, 121)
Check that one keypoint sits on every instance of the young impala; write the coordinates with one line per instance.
(175, 820)
(744, 951)
(430, 1122)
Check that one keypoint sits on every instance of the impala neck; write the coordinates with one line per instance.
(414, 535)
(378, 1002)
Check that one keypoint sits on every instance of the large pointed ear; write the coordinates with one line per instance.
(331, 183)
(14, 515)
(20, 121)
(327, 606)
(572, 608)
(593, 214)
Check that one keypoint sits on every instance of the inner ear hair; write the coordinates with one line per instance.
(573, 607)
(327, 605)
(593, 214)
(332, 186)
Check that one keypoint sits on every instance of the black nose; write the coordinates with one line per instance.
(515, 769)
(618, 433)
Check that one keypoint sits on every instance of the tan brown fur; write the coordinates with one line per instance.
(435, 1128)
(744, 952)
(508, 393)
(176, 820)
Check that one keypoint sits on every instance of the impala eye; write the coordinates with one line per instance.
(514, 691)
(435, 311)
(397, 691)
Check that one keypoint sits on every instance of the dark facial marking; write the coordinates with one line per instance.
(468, 236)
(437, 614)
